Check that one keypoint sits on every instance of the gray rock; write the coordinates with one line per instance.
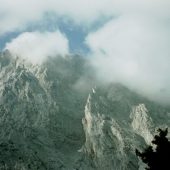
(52, 118)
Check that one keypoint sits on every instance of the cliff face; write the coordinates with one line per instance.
(116, 122)
(51, 117)
(40, 112)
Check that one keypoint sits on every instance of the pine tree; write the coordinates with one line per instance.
(158, 159)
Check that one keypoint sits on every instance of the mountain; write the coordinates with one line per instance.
(57, 116)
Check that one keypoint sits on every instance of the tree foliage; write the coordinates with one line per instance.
(158, 158)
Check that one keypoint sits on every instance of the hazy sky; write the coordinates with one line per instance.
(127, 41)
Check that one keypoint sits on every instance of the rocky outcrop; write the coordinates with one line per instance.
(142, 123)
(112, 135)
(38, 112)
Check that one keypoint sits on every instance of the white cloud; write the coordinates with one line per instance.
(19, 13)
(134, 50)
(16, 14)
(36, 46)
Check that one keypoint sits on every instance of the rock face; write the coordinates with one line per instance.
(116, 122)
(52, 118)
(142, 123)
(40, 112)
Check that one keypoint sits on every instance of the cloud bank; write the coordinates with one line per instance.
(131, 48)
(18, 14)
(134, 50)
(37, 46)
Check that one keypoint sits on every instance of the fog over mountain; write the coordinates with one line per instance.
(83, 83)
(36, 47)
(136, 53)
(129, 46)
(57, 115)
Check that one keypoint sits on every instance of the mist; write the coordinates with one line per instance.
(130, 47)
(36, 47)
(133, 49)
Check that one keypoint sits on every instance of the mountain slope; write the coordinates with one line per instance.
(51, 117)
(38, 109)
(116, 122)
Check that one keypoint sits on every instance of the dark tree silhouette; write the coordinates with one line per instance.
(158, 158)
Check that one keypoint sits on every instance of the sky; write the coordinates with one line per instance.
(126, 41)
